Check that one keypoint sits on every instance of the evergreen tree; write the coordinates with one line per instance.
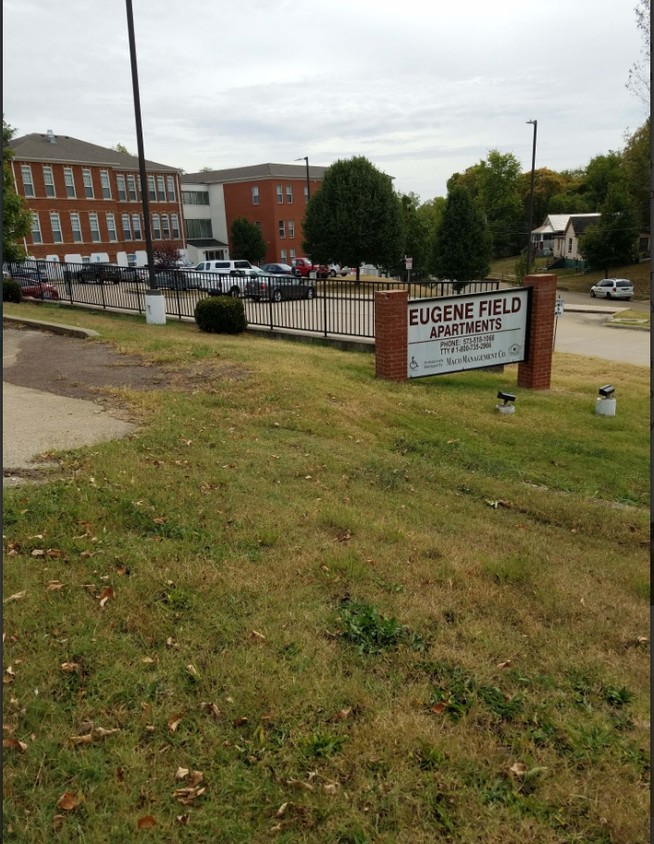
(247, 241)
(462, 249)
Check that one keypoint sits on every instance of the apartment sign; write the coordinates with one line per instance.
(456, 333)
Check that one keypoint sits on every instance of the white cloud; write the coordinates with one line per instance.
(423, 91)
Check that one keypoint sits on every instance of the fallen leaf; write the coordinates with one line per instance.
(506, 664)
(183, 819)
(71, 667)
(101, 732)
(240, 722)
(437, 708)
(518, 768)
(146, 822)
(331, 787)
(343, 714)
(15, 597)
(281, 811)
(195, 778)
(148, 660)
(105, 595)
(256, 635)
(187, 795)
(54, 585)
(181, 773)
(68, 801)
(173, 723)
(193, 671)
(85, 739)
(300, 784)
(14, 744)
(211, 709)
(54, 553)
(38, 552)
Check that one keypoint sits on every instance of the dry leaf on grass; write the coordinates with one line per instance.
(258, 636)
(211, 709)
(14, 744)
(54, 585)
(506, 664)
(173, 723)
(68, 801)
(15, 597)
(188, 794)
(437, 708)
(71, 667)
(146, 822)
(518, 768)
(106, 594)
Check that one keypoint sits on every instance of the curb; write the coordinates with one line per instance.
(54, 327)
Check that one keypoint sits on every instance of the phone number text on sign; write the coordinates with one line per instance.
(467, 332)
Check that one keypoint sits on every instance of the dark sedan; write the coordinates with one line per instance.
(277, 269)
(279, 287)
(100, 272)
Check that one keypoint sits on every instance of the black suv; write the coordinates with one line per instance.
(100, 272)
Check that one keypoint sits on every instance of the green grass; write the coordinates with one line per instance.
(366, 612)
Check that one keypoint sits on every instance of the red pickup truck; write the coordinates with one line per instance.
(304, 267)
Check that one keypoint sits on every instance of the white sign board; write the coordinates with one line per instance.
(408, 263)
(559, 307)
(454, 333)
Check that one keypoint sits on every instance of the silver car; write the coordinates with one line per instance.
(613, 288)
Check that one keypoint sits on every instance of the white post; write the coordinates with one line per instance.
(155, 307)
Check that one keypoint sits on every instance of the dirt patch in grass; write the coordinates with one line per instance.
(68, 366)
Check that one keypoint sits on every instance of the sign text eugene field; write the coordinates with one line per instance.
(467, 332)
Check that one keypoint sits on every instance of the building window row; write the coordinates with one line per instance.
(195, 197)
(163, 190)
(164, 225)
(291, 256)
(198, 229)
(280, 194)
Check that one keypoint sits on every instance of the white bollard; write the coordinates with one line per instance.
(605, 407)
(155, 307)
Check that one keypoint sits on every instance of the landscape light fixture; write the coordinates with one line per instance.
(507, 407)
(306, 158)
(534, 123)
(605, 404)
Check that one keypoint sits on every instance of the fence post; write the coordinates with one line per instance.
(391, 334)
(536, 373)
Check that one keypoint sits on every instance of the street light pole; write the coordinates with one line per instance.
(306, 158)
(534, 123)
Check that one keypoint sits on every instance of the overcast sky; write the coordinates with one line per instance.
(422, 88)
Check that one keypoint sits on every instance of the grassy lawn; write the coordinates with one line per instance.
(304, 605)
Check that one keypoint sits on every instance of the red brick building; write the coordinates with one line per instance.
(273, 196)
(86, 200)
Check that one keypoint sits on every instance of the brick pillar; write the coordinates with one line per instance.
(536, 373)
(391, 334)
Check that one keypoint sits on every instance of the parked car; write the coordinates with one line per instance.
(337, 269)
(279, 287)
(34, 288)
(304, 267)
(277, 269)
(24, 271)
(103, 271)
(613, 288)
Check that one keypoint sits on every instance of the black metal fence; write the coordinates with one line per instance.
(329, 307)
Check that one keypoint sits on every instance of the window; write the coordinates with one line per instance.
(170, 181)
(28, 184)
(291, 254)
(283, 256)
(198, 229)
(280, 195)
(161, 188)
(37, 237)
(136, 227)
(95, 227)
(281, 228)
(127, 230)
(165, 226)
(289, 194)
(88, 183)
(131, 187)
(255, 195)
(156, 227)
(69, 181)
(174, 222)
(152, 191)
(122, 192)
(111, 227)
(306, 194)
(76, 226)
(291, 228)
(55, 225)
(48, 180)
(106, 184)
(569, 244)
(195, 197)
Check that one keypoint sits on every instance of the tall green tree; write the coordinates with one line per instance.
(613, 241)
(16, 217)
(602, 172)
(416, 239)
(355, 217)
(636, 171)
(463, 246)
(430, 214)
(247, 241)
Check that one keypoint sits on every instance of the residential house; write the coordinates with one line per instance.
(548, 239)
(86, 200)
(272, 196)
(567, 246)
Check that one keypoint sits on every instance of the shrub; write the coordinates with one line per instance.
(11, 291)
(220, 315)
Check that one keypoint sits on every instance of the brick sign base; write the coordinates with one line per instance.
(391, 334)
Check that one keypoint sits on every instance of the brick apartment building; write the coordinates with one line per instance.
(273, 196)
(86, 200)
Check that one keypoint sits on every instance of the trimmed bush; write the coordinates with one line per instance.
(11, 291)
(220, 315)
